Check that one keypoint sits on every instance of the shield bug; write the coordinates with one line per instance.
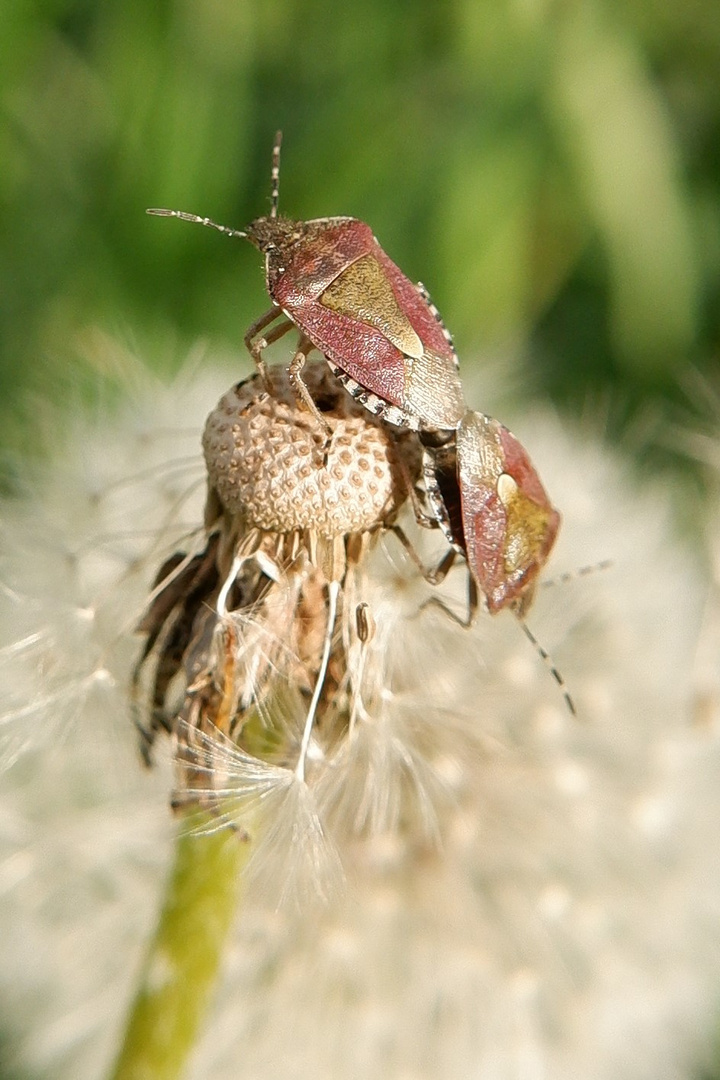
(494, 511)
(492, 507)
(330, 279)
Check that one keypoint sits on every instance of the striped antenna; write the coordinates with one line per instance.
(198, 220)
(184, 216)
(561, 579)
(575, 575)
(275, 175)
(549, 664)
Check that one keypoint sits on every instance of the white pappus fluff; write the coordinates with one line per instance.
(528, 896)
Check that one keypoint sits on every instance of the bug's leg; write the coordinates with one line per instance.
(297, 382)
(418, 498)
(254, 329)
(255, 345)
(466, 623)
(433, 575)
(436, 575)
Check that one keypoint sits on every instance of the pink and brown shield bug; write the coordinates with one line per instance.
(492, 507)
(330, 279)
(494, 511)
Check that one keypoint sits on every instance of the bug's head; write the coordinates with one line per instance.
(270, 234)
(277, 238)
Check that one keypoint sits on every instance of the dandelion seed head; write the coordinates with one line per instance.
(273, 464)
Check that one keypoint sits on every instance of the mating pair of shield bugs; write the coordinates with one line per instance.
(330, 280)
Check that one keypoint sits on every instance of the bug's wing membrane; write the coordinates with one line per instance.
(509, 523)
(433, 390)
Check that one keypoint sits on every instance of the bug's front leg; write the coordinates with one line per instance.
(297, 382)
(256, 345)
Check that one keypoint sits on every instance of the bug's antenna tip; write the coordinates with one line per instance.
(548, 661)
(275, 175)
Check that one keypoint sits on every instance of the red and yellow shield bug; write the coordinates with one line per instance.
(330, 279)
(487, 498)
(493, 509)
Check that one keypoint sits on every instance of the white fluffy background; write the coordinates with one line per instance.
(528, 897)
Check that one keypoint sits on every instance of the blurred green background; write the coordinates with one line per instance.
(550, 170)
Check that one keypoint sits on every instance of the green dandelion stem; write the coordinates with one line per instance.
(184, 956)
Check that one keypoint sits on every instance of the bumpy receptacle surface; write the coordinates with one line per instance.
(270, 461)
